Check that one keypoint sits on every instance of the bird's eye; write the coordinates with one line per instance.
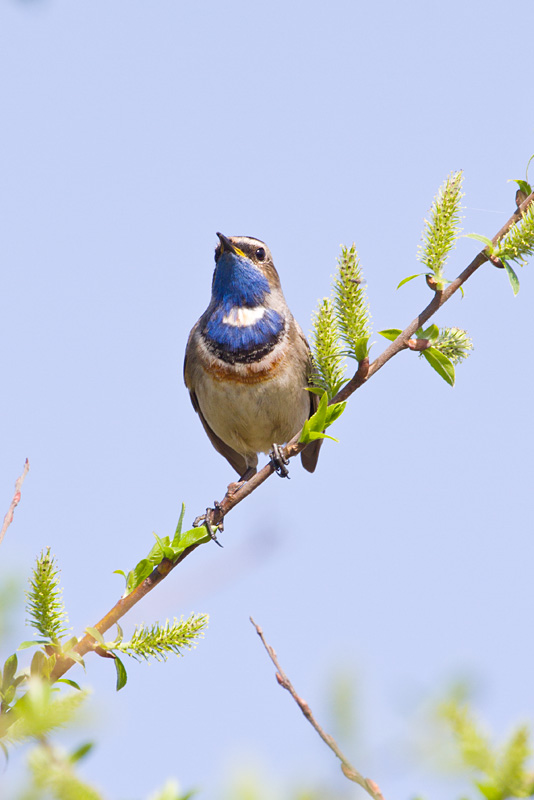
(260, 254)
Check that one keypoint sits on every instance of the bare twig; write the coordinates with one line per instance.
(232, 497)
(348, 770)
(8, 519)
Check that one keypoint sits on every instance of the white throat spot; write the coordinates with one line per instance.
(241, 317)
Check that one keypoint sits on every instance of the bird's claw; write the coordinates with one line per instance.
(279, 462)
(205, 520)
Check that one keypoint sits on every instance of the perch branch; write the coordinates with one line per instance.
(232, 497)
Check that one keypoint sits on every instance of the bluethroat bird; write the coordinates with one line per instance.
(247, 362)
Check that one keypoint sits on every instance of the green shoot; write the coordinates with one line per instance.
(45, 607)
(351, 306)
(324, 416)
(442, 230)
(454, 343)
(328, 360)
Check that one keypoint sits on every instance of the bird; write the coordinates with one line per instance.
(248, 364)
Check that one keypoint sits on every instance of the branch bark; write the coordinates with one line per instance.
(233, 498)
(8, 519)
(347, 768)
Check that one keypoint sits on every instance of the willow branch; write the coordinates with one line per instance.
(348, 770)
(233, 497)
(8, 519)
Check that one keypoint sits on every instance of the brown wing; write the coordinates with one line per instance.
(237, 461)
(310, 454)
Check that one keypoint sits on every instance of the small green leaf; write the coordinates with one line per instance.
(25, 645)
(512, 277)
(489, 791)
(70, 682)
(325, 415)
(390, 333)
(320, 435)
(314, 390)
(484, 239)
(443, 365)
(361, 348)
(120, 572)
(10, 668)
(333, 411)
(122, 677)
(410, 278)
(193, 536)
(96, 635)
(138, 575)
(80, 752)
(165, 545)
(431, 333)
(178, 531)
(523, 185)
(38, 664)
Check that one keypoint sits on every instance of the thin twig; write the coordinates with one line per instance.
(348, 770)
(8, 519)
(232, 497)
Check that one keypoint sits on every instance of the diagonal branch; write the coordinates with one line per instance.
(348, 770)
(233, 497)
(8, 519)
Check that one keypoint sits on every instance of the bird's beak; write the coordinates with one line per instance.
(226, 244)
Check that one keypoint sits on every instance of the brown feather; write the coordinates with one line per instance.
(310, 454)
(237, 461)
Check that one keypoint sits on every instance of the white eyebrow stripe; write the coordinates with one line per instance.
(241, 317)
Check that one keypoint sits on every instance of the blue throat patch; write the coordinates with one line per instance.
(237, 283)
(254, 340)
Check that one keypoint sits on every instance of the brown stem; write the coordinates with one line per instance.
(8, 519)
(232, 498)
(348, 770)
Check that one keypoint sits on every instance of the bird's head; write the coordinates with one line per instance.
(244, 271)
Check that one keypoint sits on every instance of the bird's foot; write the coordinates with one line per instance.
(279, 462)
(206, 521)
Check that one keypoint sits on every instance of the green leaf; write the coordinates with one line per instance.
(489, 791)
(122, 677)
(512, 277)
(80, 752)
(38, 664)
(193, 536)
(484, 239)
(96, 635)
(70, 682)
(523, 185)
(390, 333)
(315, 390)
(138, 574)
(333, 411)
(443, 365)
(165, 545)
(410, 278)
(361, 348)
(431, 333)
(10, 668)
(324, 416)
(178, 531)
(25, 645)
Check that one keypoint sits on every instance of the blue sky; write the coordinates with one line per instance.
(131, 132)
